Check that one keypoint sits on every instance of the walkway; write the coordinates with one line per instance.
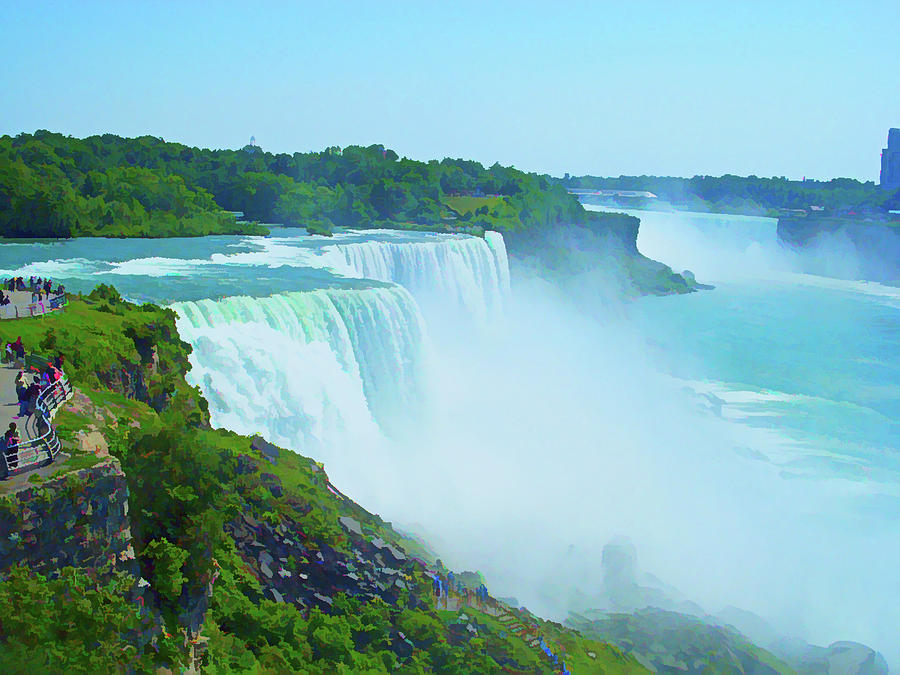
(38, 443)
(9, 405)
(21, 305)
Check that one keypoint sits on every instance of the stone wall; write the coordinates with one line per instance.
(78, 519)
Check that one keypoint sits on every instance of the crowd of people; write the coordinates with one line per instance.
(30, 382)
(41, 289)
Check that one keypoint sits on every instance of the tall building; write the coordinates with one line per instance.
(890, 162)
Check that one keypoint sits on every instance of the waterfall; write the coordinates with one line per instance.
(310, 370)
(716, 247)
(464, 274)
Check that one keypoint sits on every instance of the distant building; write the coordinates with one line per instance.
(890, 162)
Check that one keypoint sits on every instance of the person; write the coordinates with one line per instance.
(22, 394)
(8, 356)
(58, 361)
(11, 438)
(19, 348)
(32, 394)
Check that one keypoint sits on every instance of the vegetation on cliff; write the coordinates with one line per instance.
(236, 537)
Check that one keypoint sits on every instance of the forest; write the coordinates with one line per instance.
(53, 185)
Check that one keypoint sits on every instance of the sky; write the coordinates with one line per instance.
(791, 88)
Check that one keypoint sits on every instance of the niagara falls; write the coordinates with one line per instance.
(450, 338)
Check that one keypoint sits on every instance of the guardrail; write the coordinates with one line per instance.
(43, 449)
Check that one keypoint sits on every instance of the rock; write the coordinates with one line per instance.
(266, 570)
(323, 598)
(853, 658)
(265, 558)
(266, 449)
(92, 442)
(351, 525)
(278, 597)
(284, 574)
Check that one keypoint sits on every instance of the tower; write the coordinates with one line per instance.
(890, 162)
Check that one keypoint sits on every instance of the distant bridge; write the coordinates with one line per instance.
(630, 194)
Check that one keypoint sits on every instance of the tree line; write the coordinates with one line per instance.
(752, 194)
(53, 185)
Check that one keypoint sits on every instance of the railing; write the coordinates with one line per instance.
(45, 448)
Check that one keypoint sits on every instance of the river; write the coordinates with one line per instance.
(744, 439)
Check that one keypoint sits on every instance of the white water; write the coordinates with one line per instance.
(555, 432)
(310, 370)
(467, 276)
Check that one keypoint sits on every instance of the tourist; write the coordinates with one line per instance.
(32, 393)
(58, 361)
(19, 348)
(11, 441)
(8, 355)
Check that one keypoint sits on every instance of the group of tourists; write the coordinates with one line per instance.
(34, 284)
(30, 382)
(443, 587)
(45, 296)
(29, 386)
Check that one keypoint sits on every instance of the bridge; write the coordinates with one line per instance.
(39, 444)
(629, 194)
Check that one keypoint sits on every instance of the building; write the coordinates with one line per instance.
(890, 162)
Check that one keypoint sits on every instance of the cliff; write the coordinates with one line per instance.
(602, 243)
(78, 519)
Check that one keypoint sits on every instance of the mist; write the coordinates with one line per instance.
(541, 434)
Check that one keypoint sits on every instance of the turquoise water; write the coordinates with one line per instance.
(814, 358)
(169, 270)
(819, 364)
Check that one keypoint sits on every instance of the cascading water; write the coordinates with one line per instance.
(312, 369)
(468, 275)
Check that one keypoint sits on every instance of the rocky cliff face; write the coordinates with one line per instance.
(79, 519)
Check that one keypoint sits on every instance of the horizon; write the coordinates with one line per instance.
(701, 90)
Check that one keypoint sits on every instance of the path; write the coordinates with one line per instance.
(529, 633)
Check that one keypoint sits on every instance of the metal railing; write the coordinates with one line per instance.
(43, 449)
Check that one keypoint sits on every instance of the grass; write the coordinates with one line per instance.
(463, 205)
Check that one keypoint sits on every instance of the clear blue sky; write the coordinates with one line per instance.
(677, 88)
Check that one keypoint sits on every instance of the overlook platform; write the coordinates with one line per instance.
(21, 305)
(38, 443)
